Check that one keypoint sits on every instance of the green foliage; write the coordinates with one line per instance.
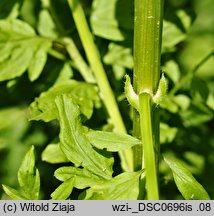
(29, 179)
(84, 94)
(75, 144)
(53, 154)
(167, 134)
(22, 48)
(186, 183)
(123, 187)
(64, 190)
(119, 55)
(111, 141)
(82, 177)
(15, 140)
(106, 25)
(46, 78)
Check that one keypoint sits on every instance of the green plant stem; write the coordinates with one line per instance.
(148, 147)
(147, 52)
(56, 54)
(70, 46)
(106, 92)
(78, 60)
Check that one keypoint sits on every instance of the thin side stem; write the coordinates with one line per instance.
(79, 61)
(72, 50)
(106, 92)
(148, 147)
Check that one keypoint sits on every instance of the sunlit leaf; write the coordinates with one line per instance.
(13, 29)
(122, 187)
(183, 101)
(167, 134)
(171, 68)
(84, 94)
(108, 24)
(14, 194)
(175, 27)
(186, 183)
(210, 101)
(83, 178)
(38, 61)
(46, 26)
(53, 154)
(169, 105)
(28, 176)
(111, 141)
(22, 49)
(119, 55)
(64, 190)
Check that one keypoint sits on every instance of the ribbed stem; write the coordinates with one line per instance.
(147, 52)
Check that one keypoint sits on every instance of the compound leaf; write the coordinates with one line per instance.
(74, 142)
(21, 49)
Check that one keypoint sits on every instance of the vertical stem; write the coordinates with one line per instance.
(147, 44)
(147, 52)
(148, 147)
(101, 78)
